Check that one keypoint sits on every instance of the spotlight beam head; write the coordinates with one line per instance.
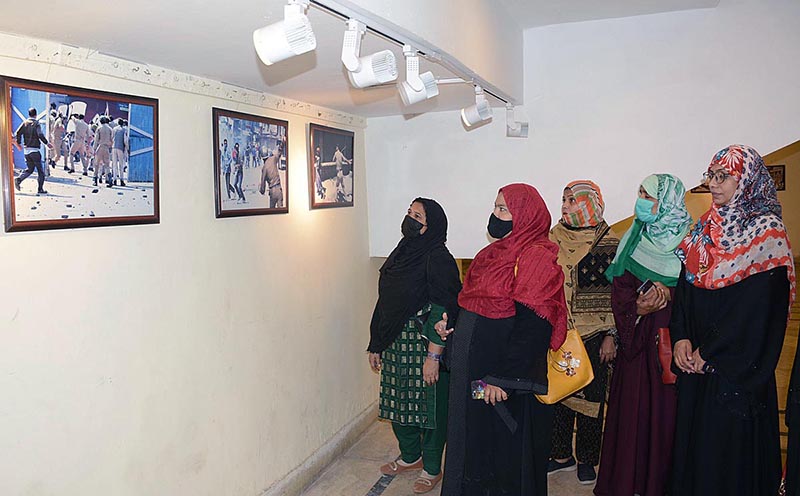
(369, 70)
(412, 68)
(477, 113)
(514, 128)
(417, 87)
(351, 46)
(285, 39)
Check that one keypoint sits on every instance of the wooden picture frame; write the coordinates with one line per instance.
(88, 180)
(257, 182)
(778, 173)
(331, 181)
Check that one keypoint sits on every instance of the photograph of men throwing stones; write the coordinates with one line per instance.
(250, 164)
(77, 157)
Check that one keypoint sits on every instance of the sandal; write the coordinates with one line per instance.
(424, 484)
(394, 468)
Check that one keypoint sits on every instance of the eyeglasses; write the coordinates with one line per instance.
(718, 177)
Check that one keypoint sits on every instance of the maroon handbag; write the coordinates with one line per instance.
(664, 347)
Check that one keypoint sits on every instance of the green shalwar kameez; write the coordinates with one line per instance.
(418, 412)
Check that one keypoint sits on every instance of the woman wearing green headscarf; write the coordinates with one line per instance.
(637, 444)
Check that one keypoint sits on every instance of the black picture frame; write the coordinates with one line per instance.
(72, 200)
(260, 175)
(330, 183)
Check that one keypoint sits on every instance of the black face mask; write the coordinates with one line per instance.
(411, 227)
(498, 227)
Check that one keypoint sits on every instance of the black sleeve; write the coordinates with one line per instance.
(623, 304)
(524, 366)
(41, 135)
(747, 344)
(677, 323)
(444, 283)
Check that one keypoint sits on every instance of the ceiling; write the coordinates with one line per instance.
(535, 13)
(215, 42)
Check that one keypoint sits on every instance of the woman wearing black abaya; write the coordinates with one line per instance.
(793, 424)
(728, 323)
(419, 282)
(513, 309)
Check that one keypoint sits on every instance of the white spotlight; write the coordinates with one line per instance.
(368, 70)
(480, 112)
(287, 38)
(417, 87)
(515, 129)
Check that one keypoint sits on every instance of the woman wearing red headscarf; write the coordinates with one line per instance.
(512, 311)
(728, 323)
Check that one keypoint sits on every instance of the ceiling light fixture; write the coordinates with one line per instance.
(514, 128)
(478, 113)
(417, 87)
(368, 70)
(287, 38)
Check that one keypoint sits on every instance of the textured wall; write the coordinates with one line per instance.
(199, 356)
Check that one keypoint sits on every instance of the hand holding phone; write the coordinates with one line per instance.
(645, 287)
(478, 389)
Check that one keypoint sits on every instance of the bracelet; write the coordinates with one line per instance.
(435, 356)
(708, 368)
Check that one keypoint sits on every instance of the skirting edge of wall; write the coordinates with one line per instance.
(308, 471)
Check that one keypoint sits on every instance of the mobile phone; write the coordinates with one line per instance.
(478, 389)
(645, 287)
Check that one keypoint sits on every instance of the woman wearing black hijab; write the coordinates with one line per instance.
(418, 283)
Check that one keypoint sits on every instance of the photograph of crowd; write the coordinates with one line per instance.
(330, 167)
(74, 157)
(250, 164)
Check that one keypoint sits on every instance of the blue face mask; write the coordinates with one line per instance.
(644, 210)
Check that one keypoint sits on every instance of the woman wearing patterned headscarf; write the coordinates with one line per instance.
(418, 283)
(586, 247)
(730, 317)
(637, 445)
(512, 310)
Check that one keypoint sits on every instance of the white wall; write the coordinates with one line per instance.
(610, 100)
(198, 356)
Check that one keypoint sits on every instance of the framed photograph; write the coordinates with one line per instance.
(250, 164)
(778, 173)
(330, 165)
(76, 157)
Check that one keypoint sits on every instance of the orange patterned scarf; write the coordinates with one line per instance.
(743, 237)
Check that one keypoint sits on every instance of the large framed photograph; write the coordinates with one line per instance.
(250, 164)
(330, 167)
(76, 157)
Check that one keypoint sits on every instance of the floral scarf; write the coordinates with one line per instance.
(648, 250)
(743, 237)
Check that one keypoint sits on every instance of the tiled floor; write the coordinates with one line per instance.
(356, 473)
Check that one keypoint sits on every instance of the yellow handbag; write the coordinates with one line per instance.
(568, 369)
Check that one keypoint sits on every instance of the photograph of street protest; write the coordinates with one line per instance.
(74, 157)
(250, 164)
(330, 166)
